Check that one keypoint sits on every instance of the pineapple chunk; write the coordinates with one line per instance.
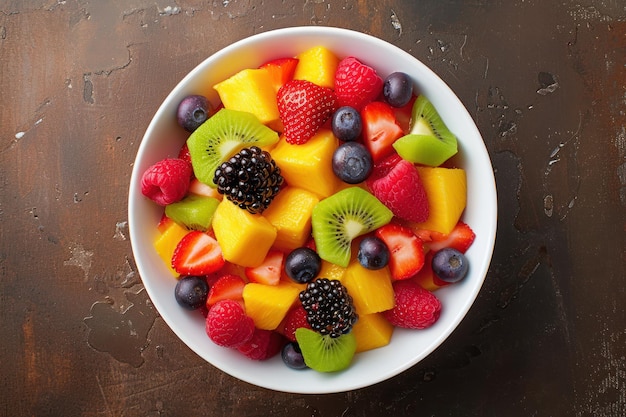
(244, 238)
(268, 304)
(371, 290)
(372, 331)
(317, 65)
(308, 165)
(166, 243)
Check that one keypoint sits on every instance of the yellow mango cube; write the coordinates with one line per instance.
(290, 213)
(331, 271)
(309, 165)
(250, 90)
(268, 304)
(166, 243)
(317, 65)
(371, 290)
(245, 238)
(372, 331)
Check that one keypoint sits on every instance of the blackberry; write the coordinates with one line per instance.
(250, 179)
(329, 307)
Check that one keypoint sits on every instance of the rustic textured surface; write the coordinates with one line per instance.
(546, 84)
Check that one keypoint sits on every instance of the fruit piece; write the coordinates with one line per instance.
(252, 91)
(380, 129)
(292, 356)
(281, 71)
(450, 265)
(426, 278)
(373, 253)
(460, 238)
(329, 307)
(302, 265)
(197, 187)
(167, 181)
(263, 344)
(304, 107)
(371, 290)
(290, 213)
(405, 248)
(194, 212)
(332, 271)
(446, 189)
(372, 331)
(317, 65)
(250, 179)
(356, 84)
(308, 166)
(222, 136)
(192, 111)
(183, 154)
(197, 254)
(397, 184)
(269, 271)
(352, 162)
(164, 223)
(191, 292)
(398, 89)
(267, 305)
(340, 218)
(227, 324)
(245, 238)
(415, 307)
(227, 287)
(166, 243)
(403, 114)
(324, 353)
(429, 141)
(295, 318)
(346, 123)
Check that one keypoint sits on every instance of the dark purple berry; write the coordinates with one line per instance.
(292, 356)
(450, 265)
(373, 253)
(192, 112)
(347, 124)
(191, 292)
(303, 264)
(352, 162)
(398, 89)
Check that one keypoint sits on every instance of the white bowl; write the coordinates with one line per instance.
(164, 138)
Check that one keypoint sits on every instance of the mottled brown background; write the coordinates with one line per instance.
(545, 82)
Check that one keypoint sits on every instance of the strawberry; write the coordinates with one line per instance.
(269, 271)
(426, 278)
(406, 250)
(263, 345)
(281, 70)
(416, 308)
(303, 108)
(227, 287)
(460, 238)
(403, 114)
(295, 319)
(397, 184)
(167, 181)
(227, 324)
(197, 254)
(184, 153)
(197, 187)
(164, 223)
(356, 84)
(380, 129)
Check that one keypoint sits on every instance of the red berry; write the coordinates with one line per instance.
(295, 318)
(263, 345)
(406, 250)
(356, 84)
(167, 181)
(197, 254)
(227, 324)
(416, 308)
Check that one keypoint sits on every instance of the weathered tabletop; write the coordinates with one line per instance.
(546, 84)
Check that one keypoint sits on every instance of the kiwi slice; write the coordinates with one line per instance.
(195, 212)
(343, 216)
(223, 135)
(324, 353)
(429, 141)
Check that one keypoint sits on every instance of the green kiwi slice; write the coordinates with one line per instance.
(429, 141)
(343, 216)
(324, 353)
(195, 212)
(223, 135)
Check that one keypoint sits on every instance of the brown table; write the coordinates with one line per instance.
(546, 84)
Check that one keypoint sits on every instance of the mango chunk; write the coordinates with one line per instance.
(371, 290)
(372, 331)
(317, 65)
(166, 243)
(446, 190)
(268, 304)
(331, 271)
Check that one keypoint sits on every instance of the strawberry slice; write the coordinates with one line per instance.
(356, 84)
(269, 271)
(281, 70)
(227, 287)
(197, 254)
(403, 114)
(460, 238)
(380, 129)
(303, 108)
(296, 318)
(263, 344)
(406, 250)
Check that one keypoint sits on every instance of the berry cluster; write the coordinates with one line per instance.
(329, 307)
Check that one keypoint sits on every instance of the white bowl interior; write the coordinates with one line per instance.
(164, 138)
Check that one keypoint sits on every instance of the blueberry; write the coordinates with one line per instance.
(192, 112)
(303, 264)
(450, 265)
(373, 253)
(352, 162)
(191, 292)
(347, 124)
(292, 356)
(398, 89)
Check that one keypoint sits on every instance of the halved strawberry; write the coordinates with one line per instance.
(404, 114)
(294, 319)
(460, 238)
(281, 70)
(263, 344)
(269, 271)
(227, 287)
(356, 84)
(197, 254)
(406, 250)
(380, 129)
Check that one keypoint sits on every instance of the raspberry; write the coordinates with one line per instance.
(227, 324)
(167, 181)
(356, 84)
(264, 344)
(416, 308)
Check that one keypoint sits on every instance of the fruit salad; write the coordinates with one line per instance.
(313, 210)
